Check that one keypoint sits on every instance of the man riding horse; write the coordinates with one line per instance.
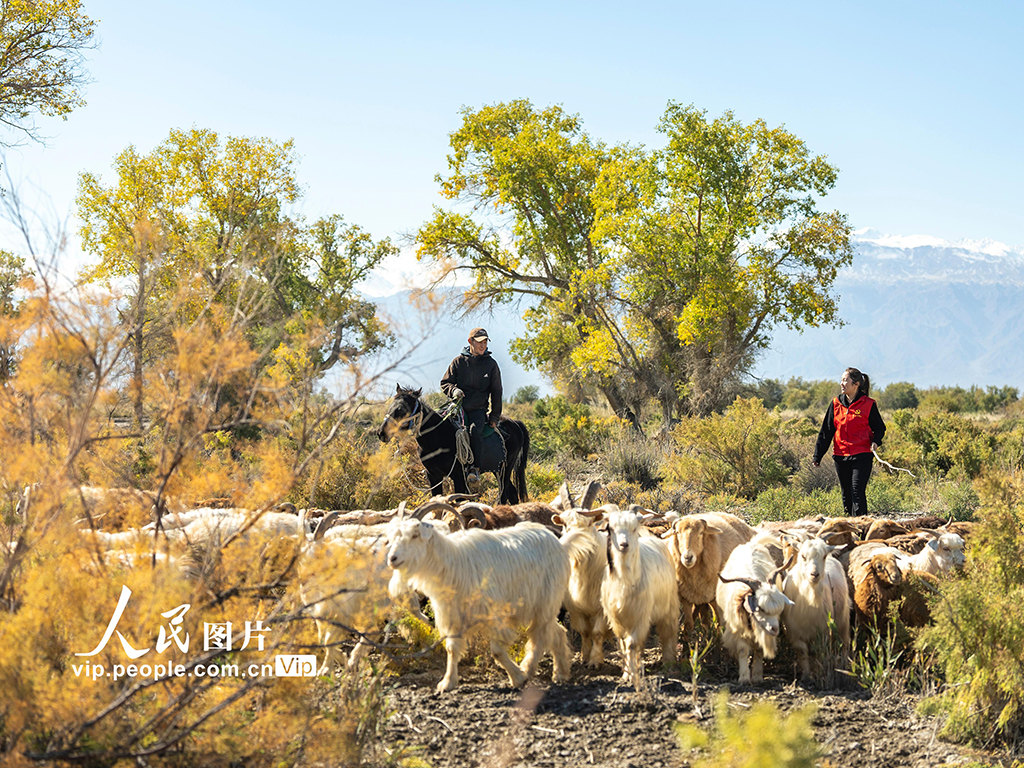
(474, 378)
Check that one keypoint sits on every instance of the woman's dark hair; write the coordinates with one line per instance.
(861, 380)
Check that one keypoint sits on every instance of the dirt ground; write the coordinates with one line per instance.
(595, 720)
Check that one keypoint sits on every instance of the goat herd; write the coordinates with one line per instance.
(499, 570)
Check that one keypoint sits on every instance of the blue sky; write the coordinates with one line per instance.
(919, 104)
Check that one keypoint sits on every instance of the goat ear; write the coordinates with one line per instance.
(669, 533)
(750, 603)
(426, 529)
(557, 520)
(830, 549)
(712, 530)
(789, 602)
(474, 523)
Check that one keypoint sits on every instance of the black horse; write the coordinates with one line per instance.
(436, 438)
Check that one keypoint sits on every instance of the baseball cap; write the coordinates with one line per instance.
(478, 334)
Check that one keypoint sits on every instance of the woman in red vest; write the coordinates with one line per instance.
(855, 428)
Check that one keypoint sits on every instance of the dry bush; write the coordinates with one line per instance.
(219, 421)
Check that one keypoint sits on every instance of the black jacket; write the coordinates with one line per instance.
(828, 428)
(479, 378)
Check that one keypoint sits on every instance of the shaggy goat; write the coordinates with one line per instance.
(817, 586)
(639, 589)
(587, 566)
(501, 580)
(751, 605)
(876, 579)
(700, 544)
(345, 582)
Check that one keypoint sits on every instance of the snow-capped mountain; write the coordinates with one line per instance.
(916, 308)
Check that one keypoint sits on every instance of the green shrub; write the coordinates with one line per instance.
(941, 443)
(762, 737)
(809, 396)
(560, 426)
(740, 451)
(527, 394)
(543, 480)
(959, 500)
(790, 503)
(632, 458)
(899, 394)
(977, 633)
(892, 495)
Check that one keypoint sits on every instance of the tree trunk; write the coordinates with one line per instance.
(138, 345)
(618, 405)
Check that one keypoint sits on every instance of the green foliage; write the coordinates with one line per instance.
(899, 394)
(12, 273)
(977, 633)
(973, 400)
(759, 738)
(791, 503)
(543, 480)
(740, 451)
(812, 397)
(940, 443)
(41, 45)
(210, 216)
(959, 500)
(892, 495)
(560, 426)
(528, 394)
(630, 297)
(876, 661)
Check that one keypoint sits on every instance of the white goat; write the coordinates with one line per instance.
(818, 588)
(587, 567)
(940, 555)
(344, 583)
(639, 589)
(700, 545)
(500, 580)
(751, 605)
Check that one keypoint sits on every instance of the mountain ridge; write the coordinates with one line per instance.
(916, 308)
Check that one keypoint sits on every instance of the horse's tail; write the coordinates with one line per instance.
(524, 454)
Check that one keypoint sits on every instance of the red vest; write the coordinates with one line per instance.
(853, 434)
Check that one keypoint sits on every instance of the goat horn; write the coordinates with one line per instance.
(754, 584)
(325, 522)
(453, 498)
(590, 494)
(430, 506)
(785, 567)
(566, 496)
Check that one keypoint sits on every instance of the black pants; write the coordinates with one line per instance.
(854, 473)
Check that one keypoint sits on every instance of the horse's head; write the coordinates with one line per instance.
(404, 414)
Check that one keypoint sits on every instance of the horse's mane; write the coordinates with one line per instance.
(410, 391)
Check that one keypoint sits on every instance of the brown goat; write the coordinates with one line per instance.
(876, 580)
(700, 545)
(505, 516)
(884, 528)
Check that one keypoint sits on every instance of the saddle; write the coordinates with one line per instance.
(488, 447)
